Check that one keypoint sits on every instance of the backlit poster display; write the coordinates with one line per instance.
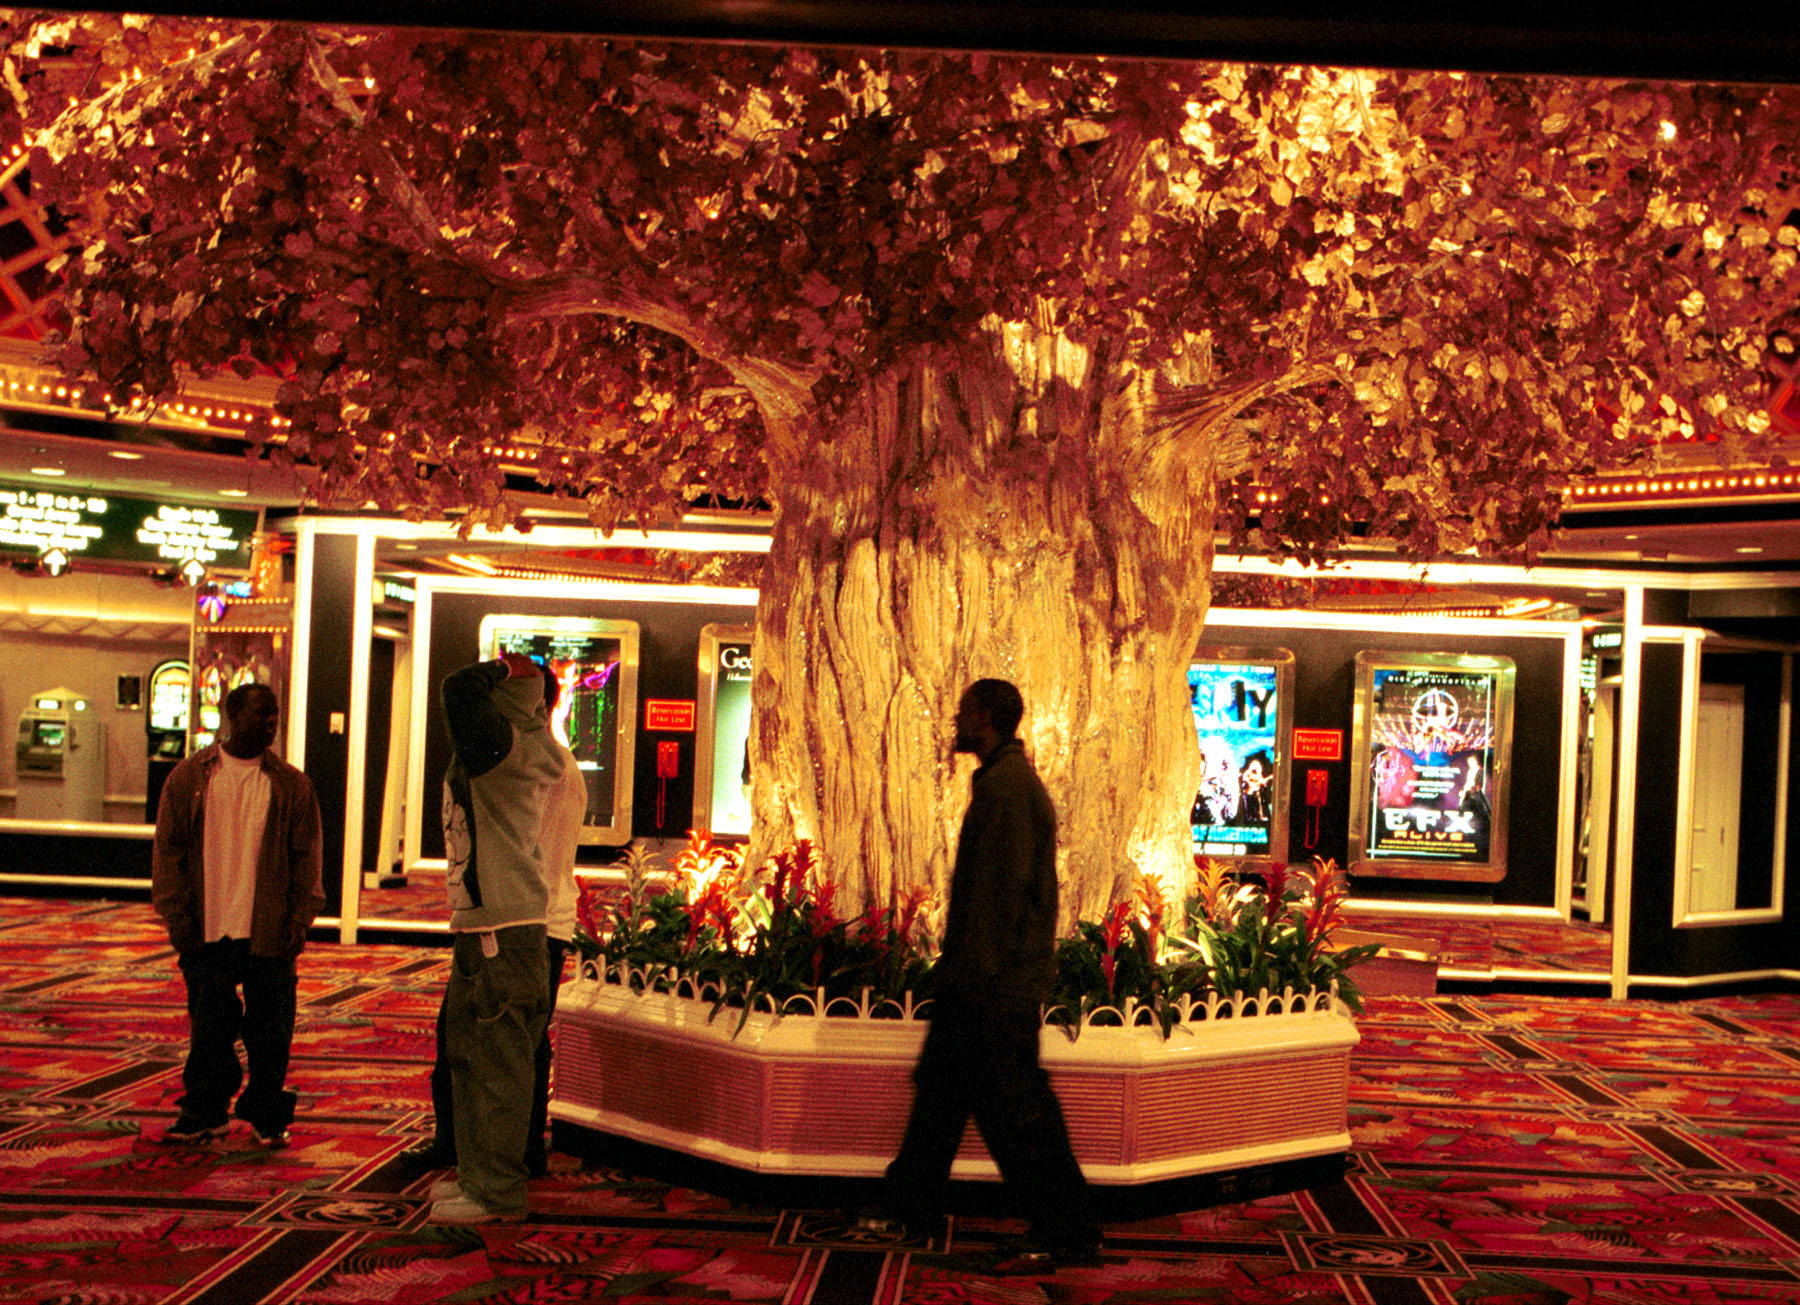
(722, 778)
(595, 663)
(1433, 739)
(1239, 699)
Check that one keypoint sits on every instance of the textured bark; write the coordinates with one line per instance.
(1007, 514)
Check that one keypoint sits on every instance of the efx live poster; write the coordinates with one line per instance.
(1433, 738)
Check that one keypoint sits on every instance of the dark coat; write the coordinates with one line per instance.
(289, 884)
(1000, 931)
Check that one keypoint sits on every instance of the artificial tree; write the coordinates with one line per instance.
(1005, 342)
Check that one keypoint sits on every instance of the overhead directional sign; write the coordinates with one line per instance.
(85, 524)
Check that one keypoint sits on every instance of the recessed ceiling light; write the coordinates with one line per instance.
(125, 455)
(1750, 548)
(1631, 536)
(407, 548)
(235, 493)
(48, 471)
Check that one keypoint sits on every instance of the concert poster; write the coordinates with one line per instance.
(1433, 739)
(731, 742)
(1239, 711)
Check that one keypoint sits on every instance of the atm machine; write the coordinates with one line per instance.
(61, 758)
(166, 728)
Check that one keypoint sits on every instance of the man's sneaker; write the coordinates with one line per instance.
(445, 1189)
(273, 1139)
(463, 1209)
(188, 1131)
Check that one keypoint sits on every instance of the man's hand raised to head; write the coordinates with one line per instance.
(518, 666)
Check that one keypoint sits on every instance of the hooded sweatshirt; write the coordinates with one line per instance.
(503, 765)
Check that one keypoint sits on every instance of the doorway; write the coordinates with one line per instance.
(1718, 789)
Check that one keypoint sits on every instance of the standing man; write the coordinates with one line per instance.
(236, 877)
(503, 767)
(994, 973)
(565, 812)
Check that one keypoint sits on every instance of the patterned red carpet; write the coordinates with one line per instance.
(1507, 1150)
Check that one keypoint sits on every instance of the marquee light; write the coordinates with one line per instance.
(1747, 483)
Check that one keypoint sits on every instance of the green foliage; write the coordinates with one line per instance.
(761, 941)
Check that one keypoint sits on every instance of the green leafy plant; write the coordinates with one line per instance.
(773, 939)
(1268, 935)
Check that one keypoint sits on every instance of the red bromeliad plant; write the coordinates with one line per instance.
(772, 935)
(1274, 934)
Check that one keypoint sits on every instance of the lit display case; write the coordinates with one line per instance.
(1433, 737)
(1240, 700)
(596, 663)
(722, 770)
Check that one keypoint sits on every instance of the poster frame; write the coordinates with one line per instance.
(1491, 870)
(617, 832)
(1282, 661)
(713, 636)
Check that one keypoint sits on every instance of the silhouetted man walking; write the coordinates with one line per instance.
(995, 971)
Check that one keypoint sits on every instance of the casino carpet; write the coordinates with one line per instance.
(1506, 1150)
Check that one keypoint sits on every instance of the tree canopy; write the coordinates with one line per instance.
(1006, 342)
(1420, 300)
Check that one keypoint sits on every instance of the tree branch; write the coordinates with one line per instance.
(1190, 419)
(782, 393)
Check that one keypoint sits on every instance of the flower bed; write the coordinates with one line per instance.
(1233, 1084)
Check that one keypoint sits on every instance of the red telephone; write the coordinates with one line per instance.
(1318, 793)
(668, 767)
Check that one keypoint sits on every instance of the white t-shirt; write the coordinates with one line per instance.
(237, 809)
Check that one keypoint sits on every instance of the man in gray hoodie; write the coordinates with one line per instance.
(496, 1003)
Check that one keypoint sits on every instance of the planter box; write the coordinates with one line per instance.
(1233, 1087)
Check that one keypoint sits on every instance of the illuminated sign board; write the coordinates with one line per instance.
(123, 529)
(1318, 745)
(669, 714)
(1432, 749)
(1239, 703)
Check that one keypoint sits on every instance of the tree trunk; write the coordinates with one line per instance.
(1006, 515)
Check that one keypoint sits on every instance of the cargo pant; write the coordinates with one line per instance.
(495, 1010)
